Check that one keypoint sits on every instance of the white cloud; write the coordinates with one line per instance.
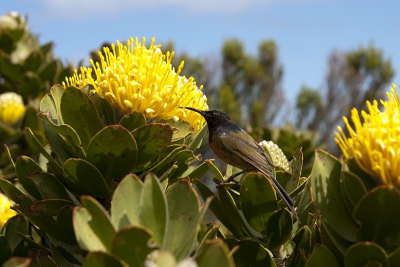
(106, 8)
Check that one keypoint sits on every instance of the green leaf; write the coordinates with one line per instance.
(133, 121)
(31, 120)
(113, 152)
(17, 262)
(215, 170)
(302, 240)
(225, 209)
(279, 229)
(183, 209)
(181, 159)
(199, 171)
(394, 257)
(58, 258)
(216, 253)
(47, 105)
(45, 223)
(194, 140)
(180, 129)
(55, 166)
(101, 221)
(24, 166)
(353, 189)
(297, 164)
(131, 245)
(48, 186)
(92, 225)
(305, 205)
(57, 92)
(72, 253)
(210, 234)
(49, 207)
(15, 225)
(153, 211)
(151, 139)
(5, 249)
(258, 201)
(8, 151)
(64, 219)
(360, 254)
(327, 195)
(379, 213)
(63, 139)
(103, 259)
(335, 242)
(104, 109)
(84, 179)
(165, 159)
(353, 167)
(79, 112)
(125, 213)
(32, 244)
(250, 253)
(283, 177)
(321, 256)
(10, 190)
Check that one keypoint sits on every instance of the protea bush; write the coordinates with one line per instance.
(359, 201)
(118, 182)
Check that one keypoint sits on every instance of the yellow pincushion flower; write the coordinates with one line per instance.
(5, 211)
(11, 108)
(135, 78)
(278, 158)
(375, 142)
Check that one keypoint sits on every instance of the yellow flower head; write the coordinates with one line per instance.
(375, 142)
(5, 211)
(135, 78)
(278, 158)
(11, 108)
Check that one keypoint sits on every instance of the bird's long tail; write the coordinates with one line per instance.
(285, 198)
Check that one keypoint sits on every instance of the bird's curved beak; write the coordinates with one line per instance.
(203, 113)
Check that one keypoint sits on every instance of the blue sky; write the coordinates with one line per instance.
(306, 31)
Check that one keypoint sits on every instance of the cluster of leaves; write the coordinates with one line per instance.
(88, 153)
(358, 219)
(107, 183)
(29, 69)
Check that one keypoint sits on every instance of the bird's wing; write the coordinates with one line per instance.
(253, 154)
(249, 151)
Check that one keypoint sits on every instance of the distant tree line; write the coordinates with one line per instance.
(249, 87)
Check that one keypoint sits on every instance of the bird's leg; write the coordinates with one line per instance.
(231, 178)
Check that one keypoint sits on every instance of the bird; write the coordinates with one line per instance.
(236, 147)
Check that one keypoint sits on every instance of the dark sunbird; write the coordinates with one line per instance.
(236, 147)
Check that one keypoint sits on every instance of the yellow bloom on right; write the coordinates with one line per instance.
(375, 142)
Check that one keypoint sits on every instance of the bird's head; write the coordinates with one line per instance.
(213, 117)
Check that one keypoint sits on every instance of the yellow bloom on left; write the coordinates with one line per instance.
(375, 142)
(11, 108)
(135, 78)
(5, 211)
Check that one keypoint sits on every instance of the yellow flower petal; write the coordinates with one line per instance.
(5, 209)
(12, 108)
(374, 141)
(135, 78)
